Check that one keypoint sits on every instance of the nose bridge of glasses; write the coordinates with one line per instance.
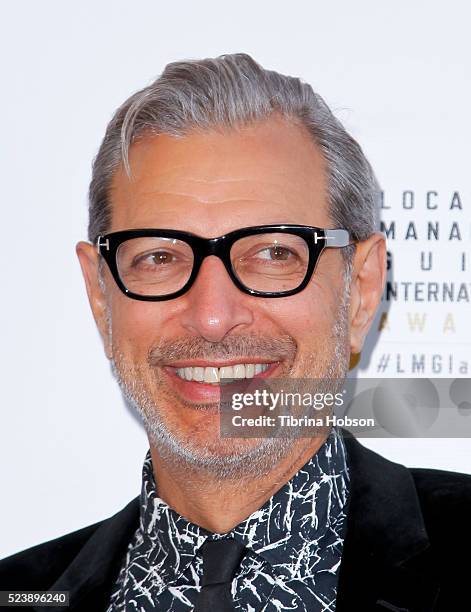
(213, 246)
(216, 247)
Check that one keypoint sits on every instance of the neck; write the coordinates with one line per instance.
(218, 505)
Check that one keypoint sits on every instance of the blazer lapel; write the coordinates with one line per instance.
(90, 576)
(387, 561)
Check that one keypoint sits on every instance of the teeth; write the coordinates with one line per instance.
(239, 370)
(249, 370)
(198, 373)
(226, 372)
(213, 375)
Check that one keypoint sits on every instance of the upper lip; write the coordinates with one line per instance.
(217, 364)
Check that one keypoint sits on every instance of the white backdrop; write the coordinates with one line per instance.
(396, 74)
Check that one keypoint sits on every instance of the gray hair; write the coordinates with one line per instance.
(227, 92)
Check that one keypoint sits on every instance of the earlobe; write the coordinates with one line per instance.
(368, 278)
(97, 298)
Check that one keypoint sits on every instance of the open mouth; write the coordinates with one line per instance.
(221, 375)
(201, 383)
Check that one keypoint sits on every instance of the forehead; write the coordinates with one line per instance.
(213, 182)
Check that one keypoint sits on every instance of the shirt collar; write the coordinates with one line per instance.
(300, 523)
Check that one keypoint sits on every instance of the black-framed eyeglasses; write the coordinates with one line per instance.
(266, 260)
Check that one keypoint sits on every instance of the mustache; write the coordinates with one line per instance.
(278, 348)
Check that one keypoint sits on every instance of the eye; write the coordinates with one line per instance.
(275, 253)
(158, 258)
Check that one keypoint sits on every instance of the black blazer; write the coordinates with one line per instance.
(407, 545)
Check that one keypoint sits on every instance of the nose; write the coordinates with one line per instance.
(215, 306)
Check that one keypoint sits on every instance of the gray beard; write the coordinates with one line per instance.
(244, 462)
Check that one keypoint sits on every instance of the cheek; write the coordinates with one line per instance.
(136, 325)
(307, 315)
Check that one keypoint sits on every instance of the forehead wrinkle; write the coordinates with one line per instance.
(281, 180)
(211, 200)
(221, 189)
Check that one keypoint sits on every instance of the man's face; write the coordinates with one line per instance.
(210, 184)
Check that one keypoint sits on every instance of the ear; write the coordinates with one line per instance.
(88, 258)
(367, 285)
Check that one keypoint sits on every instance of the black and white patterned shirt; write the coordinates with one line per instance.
(294, 542)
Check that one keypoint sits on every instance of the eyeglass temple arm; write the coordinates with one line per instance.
(336, 238)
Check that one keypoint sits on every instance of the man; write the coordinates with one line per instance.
(232, 235)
